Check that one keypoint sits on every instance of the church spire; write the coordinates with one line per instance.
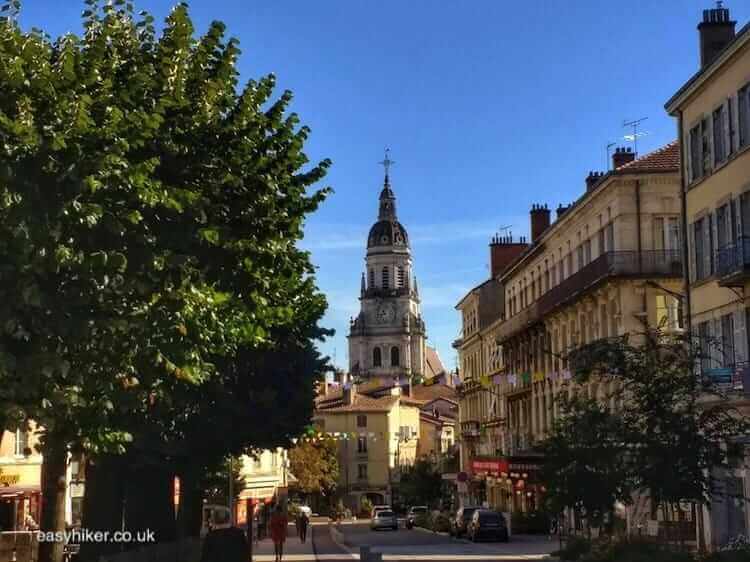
(387, 198)
(362, 287)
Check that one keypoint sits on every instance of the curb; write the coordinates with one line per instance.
(338, 538)
(442, 533)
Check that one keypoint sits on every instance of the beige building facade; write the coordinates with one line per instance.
(610, 264)
(713, 114)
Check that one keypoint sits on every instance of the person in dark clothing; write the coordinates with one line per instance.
(302, 523)
(225, 545)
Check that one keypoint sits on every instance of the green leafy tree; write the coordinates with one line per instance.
(666, 437)
(149, 214)
(421, 484)
(315, 465)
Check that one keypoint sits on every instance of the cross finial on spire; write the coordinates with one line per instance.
(387, 162)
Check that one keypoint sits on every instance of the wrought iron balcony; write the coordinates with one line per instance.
(626, 263)
(470, 428)
(733, 262)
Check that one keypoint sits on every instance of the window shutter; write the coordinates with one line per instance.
(734, 229)
(691, 253)
(740, 342)
(687, 151)
(716, 344)
(709, 234)
(726, 128)
(734, 124)
(707, 123)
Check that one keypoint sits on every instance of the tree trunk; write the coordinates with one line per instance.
(190, 512)
(54, 486)
(103, 504)
(149, 505)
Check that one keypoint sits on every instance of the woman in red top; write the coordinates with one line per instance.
(279, 523)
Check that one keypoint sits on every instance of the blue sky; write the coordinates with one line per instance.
(487, 107)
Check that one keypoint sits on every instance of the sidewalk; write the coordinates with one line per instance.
(294, 550)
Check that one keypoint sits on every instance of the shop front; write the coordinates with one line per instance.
(20, 494)
(511, 484)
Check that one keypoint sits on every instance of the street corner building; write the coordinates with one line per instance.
(397, 403)
(712, 110)
(608, 264)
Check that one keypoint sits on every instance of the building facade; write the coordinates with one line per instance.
(610, 264)
(377, 435)
(713, 113)
(265, 480)
(388, 336)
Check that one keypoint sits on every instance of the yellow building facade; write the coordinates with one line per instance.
(713, 114)
(610, 264)
(377, 435)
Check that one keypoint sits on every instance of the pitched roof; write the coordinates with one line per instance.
(433, 391)
(360, 404)
(664, 159)
(434, 366)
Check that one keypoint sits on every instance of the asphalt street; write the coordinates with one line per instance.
(424, 546)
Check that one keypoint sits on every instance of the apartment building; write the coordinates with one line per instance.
(713, 114)
(610, 264)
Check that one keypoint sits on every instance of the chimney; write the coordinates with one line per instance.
(716, 31)
(622, 156)
(503, 250)
(540, 218)
(591, 180)
(350, 394)
(561, 210)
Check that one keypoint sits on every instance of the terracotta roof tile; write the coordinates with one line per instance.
(664, 159)
(427, 393)
(433, 364)
(361, 404)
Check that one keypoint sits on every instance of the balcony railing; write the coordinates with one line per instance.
(626, 263)
(733, 262)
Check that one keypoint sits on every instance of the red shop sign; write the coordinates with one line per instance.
(490, 466)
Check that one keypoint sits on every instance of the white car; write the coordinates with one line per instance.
(384, 519)
(377, 508)
(306, 509)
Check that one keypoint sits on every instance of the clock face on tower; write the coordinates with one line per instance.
(385, 313)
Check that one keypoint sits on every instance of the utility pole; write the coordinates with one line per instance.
(232, 518)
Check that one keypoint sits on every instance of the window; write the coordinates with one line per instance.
(561, 271)
(386, 278)
(372, 279)
(668, 312)
(552, 276)
(703, 242)
(719, 130)
(587, 250)
(743, 113)
(727, 340)
(546, 280)
(570, 264)
(361, 421)
(696, 167)
(610, 230)
(745, 213)
(22, 442)
(666, 233)
(377, 360)
(401, 277)
(704, 336)
(705, 146)
(362, 444)
(723, 235)
(394, 357)
(579, 251)
(362, 471)
(604, 332)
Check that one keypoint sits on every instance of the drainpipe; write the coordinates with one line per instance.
(683, 213)
(638, 224)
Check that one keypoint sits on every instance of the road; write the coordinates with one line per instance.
(424, 546)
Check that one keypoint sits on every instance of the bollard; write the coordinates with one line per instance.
(364, 553)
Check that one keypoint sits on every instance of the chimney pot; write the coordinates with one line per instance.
(621, 157)
(540, 220)
(715, 32)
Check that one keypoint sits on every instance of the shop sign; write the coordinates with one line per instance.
(720, 375)
(524, 467)
(490, 466)
(9, 479)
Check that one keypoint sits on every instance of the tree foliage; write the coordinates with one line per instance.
(421, 484)
(315, 465)
(150, 209)
(666, 435)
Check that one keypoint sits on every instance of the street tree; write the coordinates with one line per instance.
(422, 483)
(314, 463)
(150, 211)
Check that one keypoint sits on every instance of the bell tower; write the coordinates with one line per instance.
(387, 338)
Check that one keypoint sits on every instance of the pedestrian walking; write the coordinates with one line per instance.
(302, 523)
(279, 524)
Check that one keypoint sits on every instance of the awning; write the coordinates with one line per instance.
(16, 491)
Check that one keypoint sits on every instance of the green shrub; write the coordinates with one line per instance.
(574, 548)
(365, 508)
(636, 551)
(535, 522)
(338, 511)
(440, 522)
(422, 520)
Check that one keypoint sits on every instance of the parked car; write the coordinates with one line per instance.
(414, 512)
(376, 508)
(460, 522)
(384, 519)
(215, 517)
(488, 524)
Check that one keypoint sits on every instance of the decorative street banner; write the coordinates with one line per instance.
(490, 466)
(497, 379)
(526, 378)
(537, 377)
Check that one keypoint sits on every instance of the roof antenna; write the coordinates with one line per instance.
(608, 161)
(634, 137)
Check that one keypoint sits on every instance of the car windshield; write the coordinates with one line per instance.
(384, 514)
(489, 517)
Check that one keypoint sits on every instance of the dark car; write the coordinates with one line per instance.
(460, 523)
(414, 512)
(487, 524)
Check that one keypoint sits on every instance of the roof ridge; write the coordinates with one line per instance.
(649, 155)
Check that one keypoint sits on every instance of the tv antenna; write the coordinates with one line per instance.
(634, 137)
(608, 161)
